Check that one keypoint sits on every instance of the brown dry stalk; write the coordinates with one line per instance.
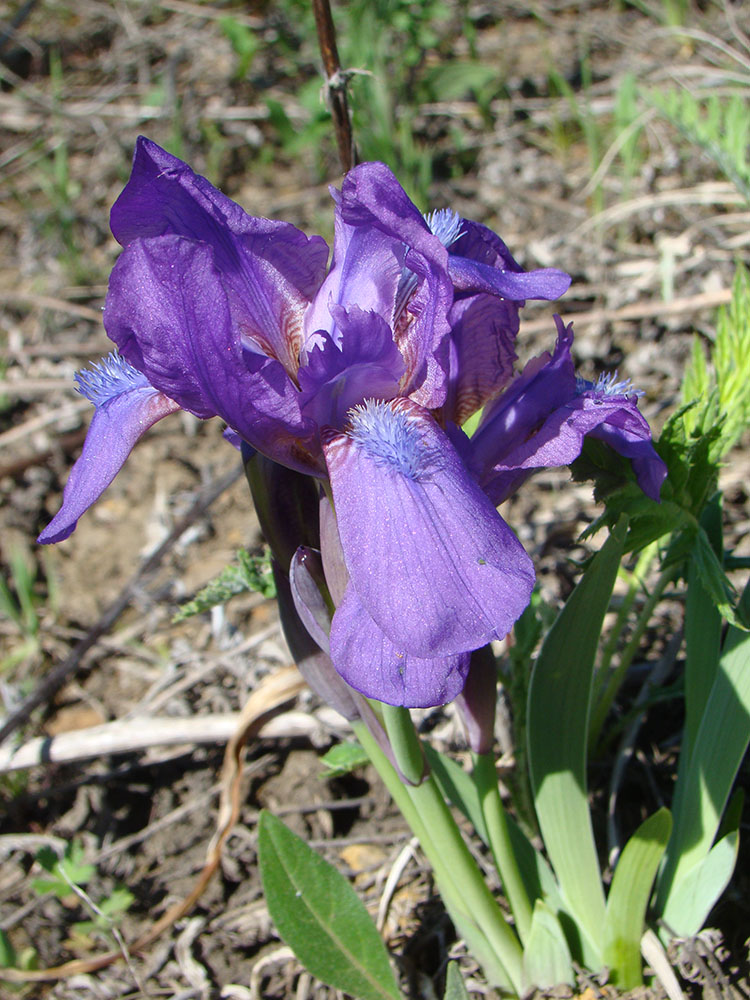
(265, 702)
(335, 84)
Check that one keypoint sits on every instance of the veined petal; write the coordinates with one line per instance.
(365, 363)
(544, 283)
(168, 312)
(366, 269)
(126, 407)
(368, 661)
(432, 561)
(478, 251)
(547, 381)
(371, 197)
(543, 419)
(271, 270)
(481, 355)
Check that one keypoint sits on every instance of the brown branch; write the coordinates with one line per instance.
(335, 84)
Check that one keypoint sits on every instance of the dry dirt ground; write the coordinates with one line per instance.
(650, 258)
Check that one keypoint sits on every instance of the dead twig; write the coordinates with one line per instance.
(335, 84)
(145, 732)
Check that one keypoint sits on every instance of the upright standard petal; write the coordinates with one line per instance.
(126, 406)
(271, 269)
(432, 561)
(368, 661)
(366, 270)
(371, 197)
(167, 310)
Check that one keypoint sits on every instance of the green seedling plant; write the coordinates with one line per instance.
(65, 878)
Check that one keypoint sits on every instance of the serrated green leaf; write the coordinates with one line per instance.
(253, 573)
(455, 988)
(714, 580)
(343, 758)
(320, 917)
(558, 716)
(628, 899)
(546, 956)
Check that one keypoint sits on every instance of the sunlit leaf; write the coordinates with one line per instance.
(320, 917)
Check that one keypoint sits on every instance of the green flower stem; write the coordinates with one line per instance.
(468, 900)
(613, 686)
(407, 747)
(485, 779)
(452, 896)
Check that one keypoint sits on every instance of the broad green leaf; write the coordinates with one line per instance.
(458, 788)
(720, 745)
(320, 917)
(703, 626)
(558, 717)
(455, 988)
(628, 899)
(343, 758)
(693, 897)
(546, 957)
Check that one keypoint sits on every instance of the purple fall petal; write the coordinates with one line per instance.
(432, 561)
(168, 312)
(126, 407)
(368, 661)
(271, 270)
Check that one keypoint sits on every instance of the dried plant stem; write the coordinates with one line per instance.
(335, 84)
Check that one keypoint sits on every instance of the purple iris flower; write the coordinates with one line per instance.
(358, 375)
(543, 416)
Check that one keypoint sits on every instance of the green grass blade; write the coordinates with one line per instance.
(720, 745)
(628, 899)
(320, 917)
(558, 717)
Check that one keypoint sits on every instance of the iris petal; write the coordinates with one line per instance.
(126, 407)
(271, 269)
(432, 561)
(368, 661)
(168, 311)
